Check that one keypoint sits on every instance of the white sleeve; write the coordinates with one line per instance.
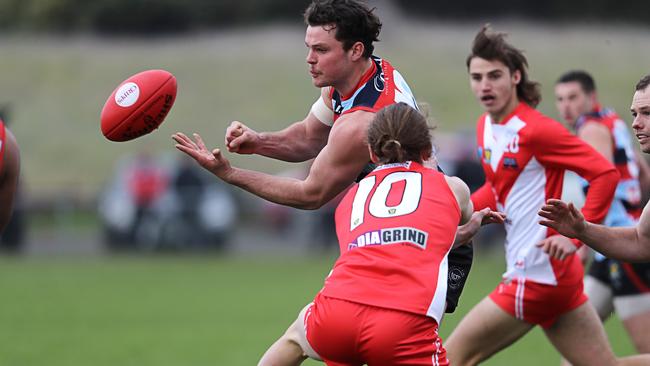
(322, 112)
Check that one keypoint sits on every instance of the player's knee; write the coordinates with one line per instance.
(464, 361)
(292, 334)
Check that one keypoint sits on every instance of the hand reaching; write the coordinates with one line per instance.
(564, 218)
(486, 216)
(558, 246)
(492, 217)
(213, 160)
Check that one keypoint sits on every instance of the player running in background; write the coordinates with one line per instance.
(610, 284)
(630, 243)
(524, 155)
(9, 172)
(395, 230)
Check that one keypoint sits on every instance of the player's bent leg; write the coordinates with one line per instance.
(634, 312)
(579, 336)
(292, 348)
(484, 331)
(600, 296)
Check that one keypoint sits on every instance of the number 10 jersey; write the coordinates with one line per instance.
(395, 229)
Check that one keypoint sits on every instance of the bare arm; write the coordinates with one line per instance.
(9, 178)
(631, 244)
(301, 141)
(599, 137)
(461, 191)
(333, 170)
(470, 221)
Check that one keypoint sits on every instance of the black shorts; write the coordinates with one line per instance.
(460, 263)
(622, 277)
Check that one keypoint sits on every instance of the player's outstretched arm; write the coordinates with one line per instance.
(301, 141)
(631, 244)
(9, 178)
(471, 221)
(333, 170)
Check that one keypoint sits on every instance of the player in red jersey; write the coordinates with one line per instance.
(524, 155)
(610, 284)
(630, 243)
(9, 172)
(385, 296)
(354, 85)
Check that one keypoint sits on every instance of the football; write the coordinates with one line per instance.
(138, 105)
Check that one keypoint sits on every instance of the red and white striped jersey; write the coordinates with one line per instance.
(395, 229)
(524, 158)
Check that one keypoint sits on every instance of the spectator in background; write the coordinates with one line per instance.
(146, 181)
(189, 186)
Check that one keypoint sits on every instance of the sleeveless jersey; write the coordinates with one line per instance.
(395, 229)
(626, 207)
(380, 86)
(524, 158)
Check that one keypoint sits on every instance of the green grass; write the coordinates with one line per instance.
(185, 310)
(57, 86)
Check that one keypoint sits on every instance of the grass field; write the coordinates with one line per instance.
(57, 86)
(186, 310)
(191, 310)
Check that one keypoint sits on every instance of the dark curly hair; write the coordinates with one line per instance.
(353, 21)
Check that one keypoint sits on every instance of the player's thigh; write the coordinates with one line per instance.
(600, 296)
(484, 331)
(634, 312)
(579, 336)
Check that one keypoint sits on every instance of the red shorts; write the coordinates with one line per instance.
(349, 333)
(537, 303)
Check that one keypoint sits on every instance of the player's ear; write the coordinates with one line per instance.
(357, 50)
(516, 76)
(373, 157)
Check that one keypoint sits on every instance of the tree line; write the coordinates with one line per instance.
(124, 17)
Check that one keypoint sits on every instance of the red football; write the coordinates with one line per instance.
(138, 105)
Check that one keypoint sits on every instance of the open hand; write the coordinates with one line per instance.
(564, 218)
(213, 160)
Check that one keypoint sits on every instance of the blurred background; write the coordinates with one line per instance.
(126, 253)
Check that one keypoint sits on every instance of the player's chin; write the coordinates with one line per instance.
(319, 83)
(644, 144)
